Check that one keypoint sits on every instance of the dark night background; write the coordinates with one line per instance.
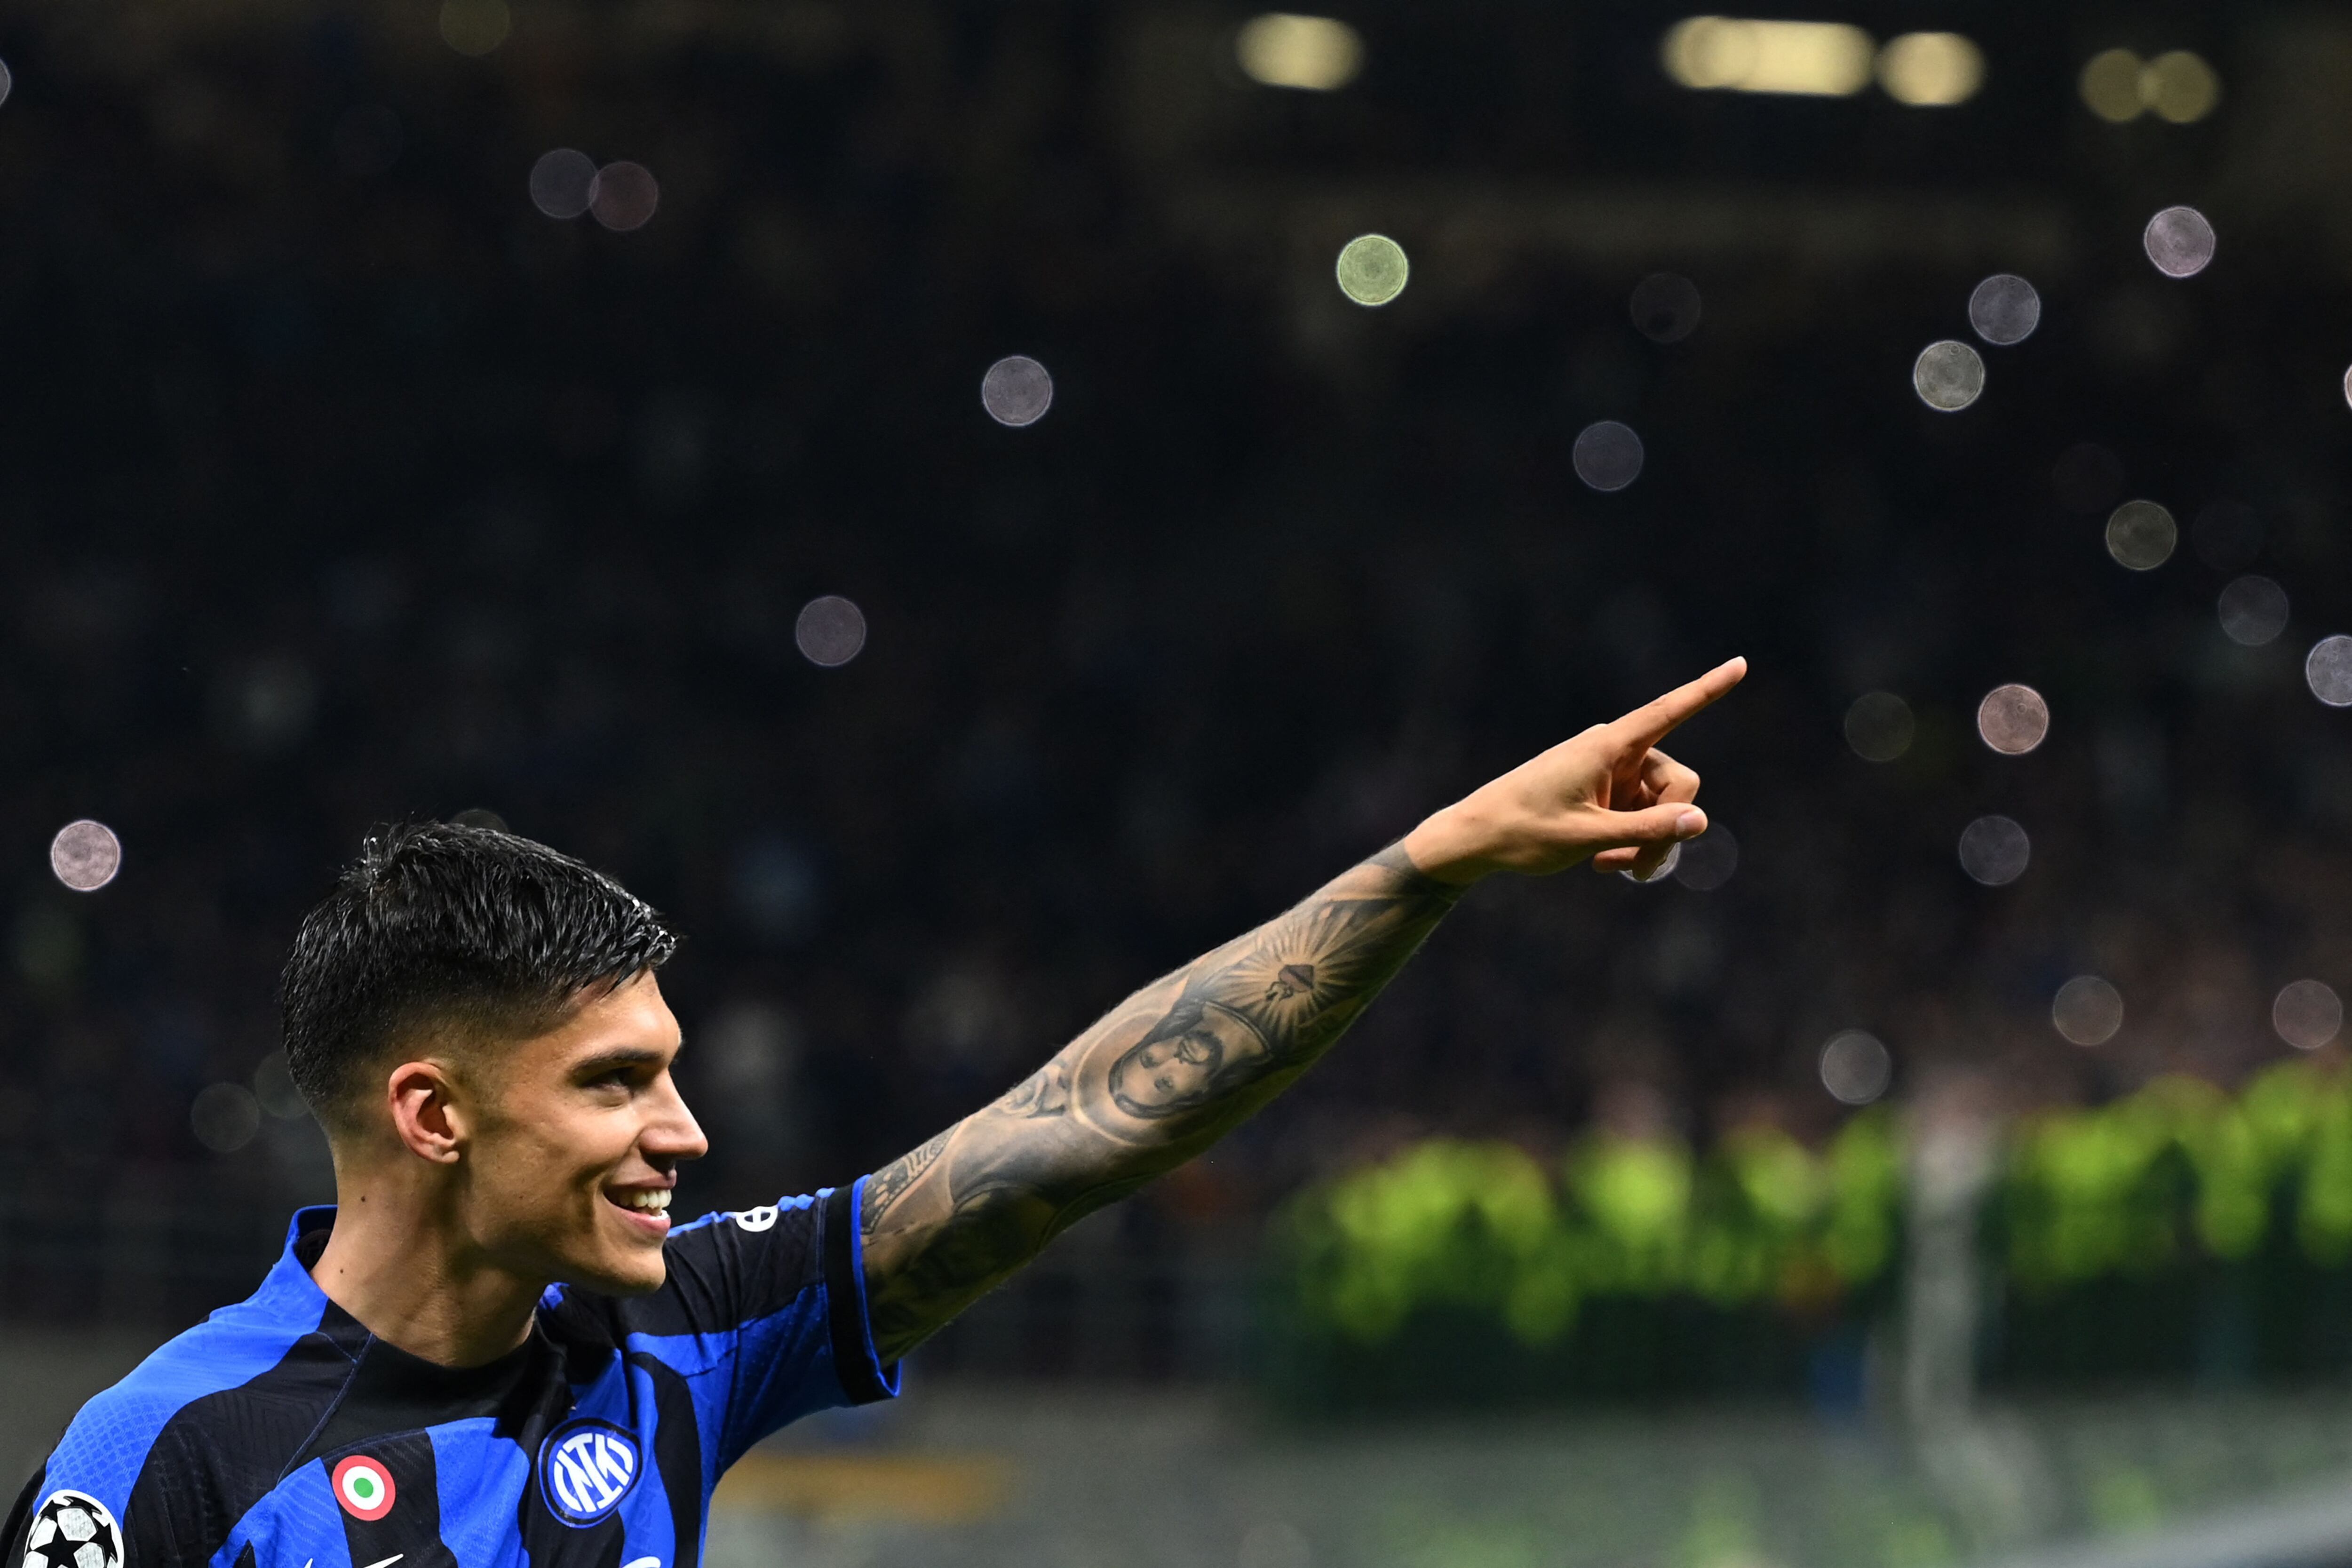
(339, 485)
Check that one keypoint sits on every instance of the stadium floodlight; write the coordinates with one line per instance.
(1930, 70)
(1812, 59)
(1313, 54)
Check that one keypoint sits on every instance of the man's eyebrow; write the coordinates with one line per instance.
(616, 1058)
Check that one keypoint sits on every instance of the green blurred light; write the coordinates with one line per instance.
(1372, 270)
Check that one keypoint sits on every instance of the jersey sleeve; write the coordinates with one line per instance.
(763, 1317)
(61, 1519)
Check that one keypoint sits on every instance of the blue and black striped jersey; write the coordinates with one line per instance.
(281, 1434)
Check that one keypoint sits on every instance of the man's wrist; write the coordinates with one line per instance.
(1445, 849)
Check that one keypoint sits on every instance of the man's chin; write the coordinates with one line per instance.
(624, 1276)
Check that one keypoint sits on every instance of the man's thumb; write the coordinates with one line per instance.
(1668, 824)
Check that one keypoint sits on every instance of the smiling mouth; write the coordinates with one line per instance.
(652, 1203)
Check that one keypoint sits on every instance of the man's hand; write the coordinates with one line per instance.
(1608, 795)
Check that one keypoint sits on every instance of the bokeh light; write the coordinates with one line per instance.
(2180, 87)
(2004, 310)
(7, 81)
(1666, 307)
(1666, 869)
(1372, 270)
(2307, 1013)
(1880, 726)
(1816, 58)
(1994, 850)
(623, 195)
(1315, 54)
(1930, 70)
(1608, 456)
(225, 1117)
(1708, 861)
(2228, 534)
(2347, 385)
(2087, 1010)
(563, 182)
(830, 631)
(85, 855)
(1855, 1067)
(2110, 85)
(1949, 375)
(2012, 720)
(2179, 241)
(2141, 535)
(1016, 391)
(474, 27)
(2327, 670)
(2254, 611)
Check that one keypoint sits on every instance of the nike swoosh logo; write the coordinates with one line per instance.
(643, 1562)
(388, 1562)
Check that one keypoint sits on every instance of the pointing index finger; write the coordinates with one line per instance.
(1653, 720)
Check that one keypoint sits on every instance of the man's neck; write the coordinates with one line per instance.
(400, 1270)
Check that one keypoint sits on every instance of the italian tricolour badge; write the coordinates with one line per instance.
(364, 1487)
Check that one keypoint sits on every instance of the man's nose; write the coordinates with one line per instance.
(672, 1133)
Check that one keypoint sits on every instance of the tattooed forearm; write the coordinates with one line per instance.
(1157, 1080)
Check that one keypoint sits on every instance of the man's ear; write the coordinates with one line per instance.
(427, 1114)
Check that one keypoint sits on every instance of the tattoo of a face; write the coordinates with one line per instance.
(1197, 1052)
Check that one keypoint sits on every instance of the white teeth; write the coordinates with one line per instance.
(654, 1200)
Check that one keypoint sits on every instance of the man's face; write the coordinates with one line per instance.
(1174, 1072)
(575, 1145)
(1171, 1071)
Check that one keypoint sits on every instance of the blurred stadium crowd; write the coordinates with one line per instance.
(343, 484)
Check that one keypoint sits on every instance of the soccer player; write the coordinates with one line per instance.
(498, 1346)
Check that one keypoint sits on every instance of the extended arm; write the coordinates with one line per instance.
(1185, 1060)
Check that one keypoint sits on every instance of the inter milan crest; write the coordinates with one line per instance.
(585, 1468)
(73, 1529)
(364, 1487)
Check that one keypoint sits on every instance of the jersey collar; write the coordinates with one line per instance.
(288, 1292)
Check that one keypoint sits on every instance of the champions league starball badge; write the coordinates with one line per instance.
(585, 1468)
(73, 1529)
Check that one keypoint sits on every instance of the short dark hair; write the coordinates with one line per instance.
(438, 924)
